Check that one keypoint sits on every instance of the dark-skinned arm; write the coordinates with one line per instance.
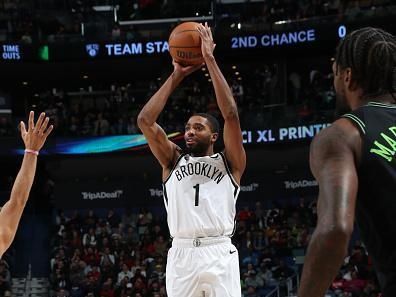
(233, 142)
(332, 159)
(163, 149)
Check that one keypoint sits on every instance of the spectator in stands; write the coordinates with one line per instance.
(124, 273)
(89, 239)
(107, 288)
(101, 126)
(141, 261)
(5, 279)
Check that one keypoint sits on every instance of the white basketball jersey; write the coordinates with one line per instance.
(200, 195)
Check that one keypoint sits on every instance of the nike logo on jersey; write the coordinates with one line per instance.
(231, 252)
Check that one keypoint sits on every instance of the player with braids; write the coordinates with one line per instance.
(354, 162)
(370, 53)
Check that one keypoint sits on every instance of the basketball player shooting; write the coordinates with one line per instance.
(200, 186)
(355, 165)
(10, 215)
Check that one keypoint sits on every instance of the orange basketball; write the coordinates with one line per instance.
(185, 44)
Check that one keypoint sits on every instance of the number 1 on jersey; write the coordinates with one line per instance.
(196, 187)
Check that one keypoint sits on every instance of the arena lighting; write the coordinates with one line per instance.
(232, 25)
(158, 78)
(234, 67)
(237, 73)
(85, 76)
(209, 80)
(239, 26)
(282, 22)
(36, 95)
(115, 15)
(203, 69)
(206, 74)
(239, 78)
(104, 8)
(25, 83)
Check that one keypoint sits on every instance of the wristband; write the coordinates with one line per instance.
(32, 152)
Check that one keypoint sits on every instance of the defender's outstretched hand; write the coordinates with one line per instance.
(36, 134)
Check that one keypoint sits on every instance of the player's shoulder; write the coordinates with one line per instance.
(340, 135)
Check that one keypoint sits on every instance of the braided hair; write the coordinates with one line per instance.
(371, 55)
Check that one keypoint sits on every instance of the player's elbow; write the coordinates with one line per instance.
(142, 120)
(336, 235)
(6, 238)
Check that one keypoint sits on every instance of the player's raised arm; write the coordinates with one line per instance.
(234, 151)
(34, 138)
(332, 161)
(163, 149)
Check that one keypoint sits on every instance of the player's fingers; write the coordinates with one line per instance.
(39, 122)
(202, 31)
(202, 35)
(50, 128)
(199, 29)
(210, 33)
(44, 125)
(22, 127)
(207, 29)
(31, 121)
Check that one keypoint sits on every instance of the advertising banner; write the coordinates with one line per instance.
(113, 194)
(122, 143)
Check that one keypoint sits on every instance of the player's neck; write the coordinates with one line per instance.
(357, 102)
(386, 99)
(209, 152)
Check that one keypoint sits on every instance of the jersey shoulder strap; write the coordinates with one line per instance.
(174, 167)
(357, 118)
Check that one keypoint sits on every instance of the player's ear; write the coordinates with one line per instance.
(215, 136)
(348, 79)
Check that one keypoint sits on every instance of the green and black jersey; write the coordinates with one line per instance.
(376, 201)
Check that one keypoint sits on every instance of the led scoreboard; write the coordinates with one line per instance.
(314, 38)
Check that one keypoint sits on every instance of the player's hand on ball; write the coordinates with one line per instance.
(183, 71)
(36, 134)
(207, 44)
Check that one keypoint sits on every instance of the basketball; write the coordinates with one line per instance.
(185, 44)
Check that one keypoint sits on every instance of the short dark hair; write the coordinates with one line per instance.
(213, 122)
(371, 54)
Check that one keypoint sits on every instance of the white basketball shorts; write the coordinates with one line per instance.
(203, 267)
